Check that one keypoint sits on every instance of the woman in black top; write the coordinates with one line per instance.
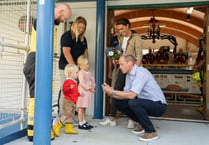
(73, 43)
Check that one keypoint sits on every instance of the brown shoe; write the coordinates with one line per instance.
(149, 136)
(139, 130)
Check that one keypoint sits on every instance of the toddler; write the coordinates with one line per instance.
(70, 91)
(86, 88)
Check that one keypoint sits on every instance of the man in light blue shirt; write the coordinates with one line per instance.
(142, 97)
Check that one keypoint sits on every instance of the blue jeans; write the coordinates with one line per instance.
(139, 110)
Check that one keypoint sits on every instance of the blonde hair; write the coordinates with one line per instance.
(74, 28)
(82, 60)
(70, 68)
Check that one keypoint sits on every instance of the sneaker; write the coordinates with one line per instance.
(130, 124)
(149, 136)
(113, 123)
(108, 122)
(139, 130)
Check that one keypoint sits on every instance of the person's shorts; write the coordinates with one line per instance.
(68, 108)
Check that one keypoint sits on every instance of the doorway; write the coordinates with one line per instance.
(186, 27)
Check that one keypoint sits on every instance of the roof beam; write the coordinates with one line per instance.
(161, 13)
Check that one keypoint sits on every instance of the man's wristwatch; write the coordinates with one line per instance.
(113, 92)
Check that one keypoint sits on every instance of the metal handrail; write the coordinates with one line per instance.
(2, 43)
(12, 123)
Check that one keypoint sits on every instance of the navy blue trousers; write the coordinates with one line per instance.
(139, 110)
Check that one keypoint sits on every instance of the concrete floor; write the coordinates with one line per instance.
(170, 133)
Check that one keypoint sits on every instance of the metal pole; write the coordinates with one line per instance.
(99, 65)
(44, 66)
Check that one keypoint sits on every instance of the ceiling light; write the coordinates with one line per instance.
(189, 10)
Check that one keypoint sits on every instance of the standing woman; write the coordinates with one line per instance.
(130, 43)
(73, 44)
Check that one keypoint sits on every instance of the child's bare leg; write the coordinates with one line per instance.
(69, 120)
(82, 119)
(60, 123)
(80, 115)
(63, 118)
(84, 114)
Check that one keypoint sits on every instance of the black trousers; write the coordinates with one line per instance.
(120, 82)
(139, 110)
(119, 85)
(29, 72)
